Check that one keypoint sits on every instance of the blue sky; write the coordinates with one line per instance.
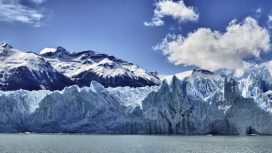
(228, 36)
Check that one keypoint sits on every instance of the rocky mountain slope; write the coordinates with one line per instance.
(83, 67)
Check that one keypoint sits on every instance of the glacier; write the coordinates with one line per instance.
(192, 102)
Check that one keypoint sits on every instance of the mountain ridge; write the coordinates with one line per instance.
(45, 71)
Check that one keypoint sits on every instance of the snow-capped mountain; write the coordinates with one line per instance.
(19, 70)
(192, 102)
(83, 67)
(59, 68)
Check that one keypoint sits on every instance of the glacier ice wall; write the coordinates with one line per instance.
(93, 109)
(227, 112)
(194, 104)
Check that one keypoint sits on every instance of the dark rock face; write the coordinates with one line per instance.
(23, 78)
(84, 78)
(46, 80)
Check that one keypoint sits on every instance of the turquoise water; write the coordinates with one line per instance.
(27, 143)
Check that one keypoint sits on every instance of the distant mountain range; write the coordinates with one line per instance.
(60, 68)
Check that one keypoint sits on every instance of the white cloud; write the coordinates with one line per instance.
(177, 10)
(213, 50)
(267, 64)
(46, 50)
(259, 10)
(269, 21)
(13, 10)
(38, 1)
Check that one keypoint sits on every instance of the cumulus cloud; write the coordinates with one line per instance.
(47, 50)
(177, 10)
(15, 10)
(213, 50)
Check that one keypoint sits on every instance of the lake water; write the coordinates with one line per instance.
(54, 143)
